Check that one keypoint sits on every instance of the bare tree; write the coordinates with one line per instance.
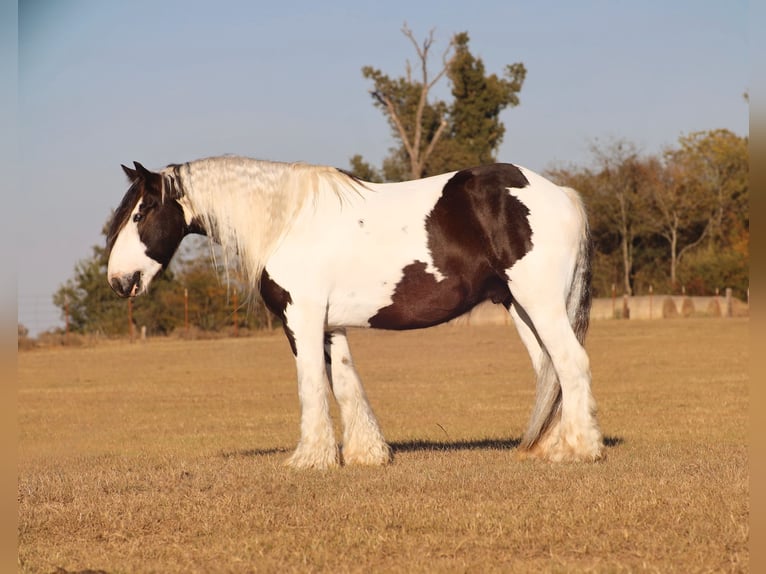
(679, 211)
(623, 187)
(416, 123)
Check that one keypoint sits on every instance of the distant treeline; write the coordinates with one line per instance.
(678, 221)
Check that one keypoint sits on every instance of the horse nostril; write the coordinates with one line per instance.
(117, 287)
(127, 285)
(135, 282)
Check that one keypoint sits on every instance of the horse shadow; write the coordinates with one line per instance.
(422, 445)
(487, 444)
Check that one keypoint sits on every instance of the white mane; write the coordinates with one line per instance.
(247, 206)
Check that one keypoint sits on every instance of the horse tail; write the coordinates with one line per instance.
(547, 408)
(580, 296)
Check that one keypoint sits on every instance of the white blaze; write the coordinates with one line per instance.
(129, 255)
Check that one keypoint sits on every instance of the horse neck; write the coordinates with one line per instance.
(244, 205)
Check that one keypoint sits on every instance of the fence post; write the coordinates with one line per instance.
(66, 317)
(614, 301)
(718, 301)
(186, 310)
(651, 290)
(236, 321)
(625, 307)
(729, 312)
(130, 318)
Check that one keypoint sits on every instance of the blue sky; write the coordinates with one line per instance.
(104, 82)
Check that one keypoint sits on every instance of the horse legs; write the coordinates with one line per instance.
(363, 442)
(317, 447)
(543, 431)
(563, 425)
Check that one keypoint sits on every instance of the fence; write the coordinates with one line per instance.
(39, 315)
(645, 307)
(660, 306)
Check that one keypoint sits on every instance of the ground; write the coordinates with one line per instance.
(166, 456)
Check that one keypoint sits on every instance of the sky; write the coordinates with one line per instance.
(105, 82)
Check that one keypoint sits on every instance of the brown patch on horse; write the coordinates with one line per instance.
(277, 299)
(476, 232)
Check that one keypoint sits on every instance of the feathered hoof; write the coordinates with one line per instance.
(314, 458)
(564, 451)
(373, 455)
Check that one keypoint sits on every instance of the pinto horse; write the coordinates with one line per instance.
(328, 251)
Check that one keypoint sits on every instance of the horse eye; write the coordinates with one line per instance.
(138, 217)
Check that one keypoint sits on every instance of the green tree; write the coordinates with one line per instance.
(434, 136)
(364, 170)
(191, 282)
(475, 130)
(87, 299)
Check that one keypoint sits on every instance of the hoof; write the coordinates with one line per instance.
(375, 455)
(318, 459)
(564, 451)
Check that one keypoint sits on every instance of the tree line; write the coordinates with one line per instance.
(191, 289)
(677, 220)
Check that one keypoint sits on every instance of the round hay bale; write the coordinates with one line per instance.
(687, 309)
(714, 308)
(669, 310)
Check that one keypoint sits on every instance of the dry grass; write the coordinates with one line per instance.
(166, 457)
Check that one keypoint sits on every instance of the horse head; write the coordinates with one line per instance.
(145, 231)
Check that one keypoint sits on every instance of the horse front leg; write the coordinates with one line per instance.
(363, 441)
(317, 447)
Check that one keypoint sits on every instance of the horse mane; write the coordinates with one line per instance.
(248, 206)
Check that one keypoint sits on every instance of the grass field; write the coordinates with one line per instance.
(165, 456)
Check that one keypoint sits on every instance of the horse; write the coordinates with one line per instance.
(328, 251)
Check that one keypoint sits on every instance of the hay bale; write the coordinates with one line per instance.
(669, 309)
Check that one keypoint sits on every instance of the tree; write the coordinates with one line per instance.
(87, 299)
(93, 307)
(715, 167)
(436, 136)
(364, 170)
(616, 190)
(679, 209)
(475, 130)
(680, 219)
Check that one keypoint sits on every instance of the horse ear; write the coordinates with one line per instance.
(152, 181)
(131, 173)
(141, 170)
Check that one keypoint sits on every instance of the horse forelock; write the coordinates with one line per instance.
(123, 211)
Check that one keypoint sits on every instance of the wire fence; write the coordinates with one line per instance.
(38, 314)
(222, 312)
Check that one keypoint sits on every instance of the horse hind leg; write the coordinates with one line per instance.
(363, 441)
(543, 428)
(563, 426)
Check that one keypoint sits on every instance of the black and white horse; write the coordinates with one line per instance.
(328, 251)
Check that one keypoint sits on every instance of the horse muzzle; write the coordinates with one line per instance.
(127, 285)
